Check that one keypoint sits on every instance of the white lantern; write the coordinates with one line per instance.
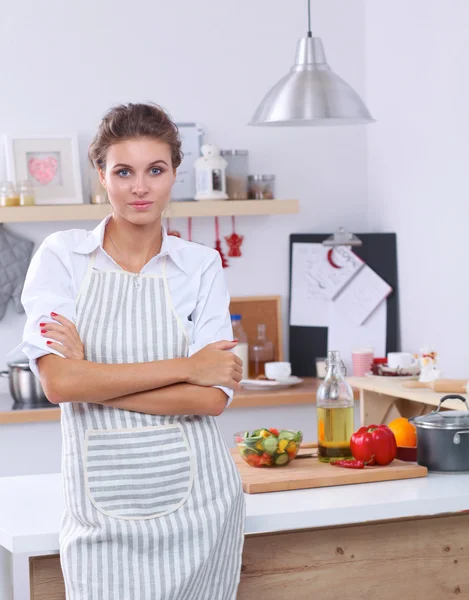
(210, 177)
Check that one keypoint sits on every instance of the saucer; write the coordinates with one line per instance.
(276, 384)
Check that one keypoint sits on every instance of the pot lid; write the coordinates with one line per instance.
(445, 419)
(23, 364)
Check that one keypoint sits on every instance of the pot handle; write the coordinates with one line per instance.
(457, 437)
(452, 396)
(5, 374)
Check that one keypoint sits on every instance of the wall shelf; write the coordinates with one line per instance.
(92, 212)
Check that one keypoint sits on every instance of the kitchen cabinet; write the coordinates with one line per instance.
(404, 539)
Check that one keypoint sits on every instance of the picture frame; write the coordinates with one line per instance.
(191, 135)
(261, 309)
(50, 163)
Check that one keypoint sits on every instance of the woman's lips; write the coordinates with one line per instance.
(141, 205)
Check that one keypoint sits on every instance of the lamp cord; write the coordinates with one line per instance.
(309, 19)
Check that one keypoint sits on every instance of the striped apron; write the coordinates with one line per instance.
(154, 508)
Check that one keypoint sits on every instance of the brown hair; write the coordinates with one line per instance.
(127, 121)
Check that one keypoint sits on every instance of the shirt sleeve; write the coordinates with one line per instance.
(48, 287)
(211, 317)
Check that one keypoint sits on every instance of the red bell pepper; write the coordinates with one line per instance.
(374, 444)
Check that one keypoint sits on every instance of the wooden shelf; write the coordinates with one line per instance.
(92, 212)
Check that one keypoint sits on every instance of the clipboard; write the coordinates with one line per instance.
(378, 251)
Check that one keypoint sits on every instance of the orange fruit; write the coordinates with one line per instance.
(404, 432)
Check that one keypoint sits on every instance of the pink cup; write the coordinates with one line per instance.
(362, 359)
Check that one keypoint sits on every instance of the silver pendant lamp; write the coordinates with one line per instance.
(311, 94)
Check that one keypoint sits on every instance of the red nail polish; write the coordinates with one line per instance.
(235, 340)
(49, 342)
(43, 330)
(42, 324)
(53, 314)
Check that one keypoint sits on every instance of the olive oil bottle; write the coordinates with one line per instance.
(334, 406)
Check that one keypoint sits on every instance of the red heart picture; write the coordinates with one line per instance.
(43, 169)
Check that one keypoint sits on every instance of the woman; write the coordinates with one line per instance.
(154, 507)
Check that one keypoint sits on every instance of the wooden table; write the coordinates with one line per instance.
(382, 400)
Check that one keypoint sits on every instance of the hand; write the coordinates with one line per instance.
(66, 334)
(215, 365)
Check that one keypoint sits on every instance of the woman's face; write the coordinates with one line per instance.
(138, 178)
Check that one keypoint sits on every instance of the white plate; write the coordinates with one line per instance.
(393, 377)
(271, 384)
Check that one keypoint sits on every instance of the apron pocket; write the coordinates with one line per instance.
(138, 473)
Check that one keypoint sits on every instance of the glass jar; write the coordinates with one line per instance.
(8, 195)
(242, 349)
(236, 173)
(98, 194)
(334, 409)
(261, 187)
(260, 352)
(26, 193)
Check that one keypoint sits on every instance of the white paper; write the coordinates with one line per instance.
(332, 279)
(309, 307)
(315, 281)
(343, 335)
(363, 294)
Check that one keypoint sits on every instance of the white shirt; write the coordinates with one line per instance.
(195, 279)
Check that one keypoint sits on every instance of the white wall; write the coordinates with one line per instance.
(206, 61)
(417, 84)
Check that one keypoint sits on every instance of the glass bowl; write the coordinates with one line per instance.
(268, 447)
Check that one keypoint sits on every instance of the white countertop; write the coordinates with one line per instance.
(31, 506)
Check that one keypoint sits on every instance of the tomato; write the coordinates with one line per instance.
(253, 460)
(274, 431)
(265, 459)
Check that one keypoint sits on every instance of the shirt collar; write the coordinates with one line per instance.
(95, 238)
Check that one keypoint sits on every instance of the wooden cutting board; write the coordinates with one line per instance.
(310, 473)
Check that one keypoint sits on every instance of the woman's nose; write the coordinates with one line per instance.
(140, 188)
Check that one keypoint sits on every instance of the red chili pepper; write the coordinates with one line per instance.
(374, 444)
(349, 464)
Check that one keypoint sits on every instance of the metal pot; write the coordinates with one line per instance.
(25, 387)
(443, 438)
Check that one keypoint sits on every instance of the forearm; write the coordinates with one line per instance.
(68, 380)
(177, 399)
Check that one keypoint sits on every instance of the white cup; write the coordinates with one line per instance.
(277, 370)
(401, 360)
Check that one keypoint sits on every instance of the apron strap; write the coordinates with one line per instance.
(170, 301)
(87, 277)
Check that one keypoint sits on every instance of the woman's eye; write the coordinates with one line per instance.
(155, 171)
(123, 172)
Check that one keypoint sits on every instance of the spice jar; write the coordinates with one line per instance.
(261, 187)
(26, 193)
(236, 173)
(8, 195)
